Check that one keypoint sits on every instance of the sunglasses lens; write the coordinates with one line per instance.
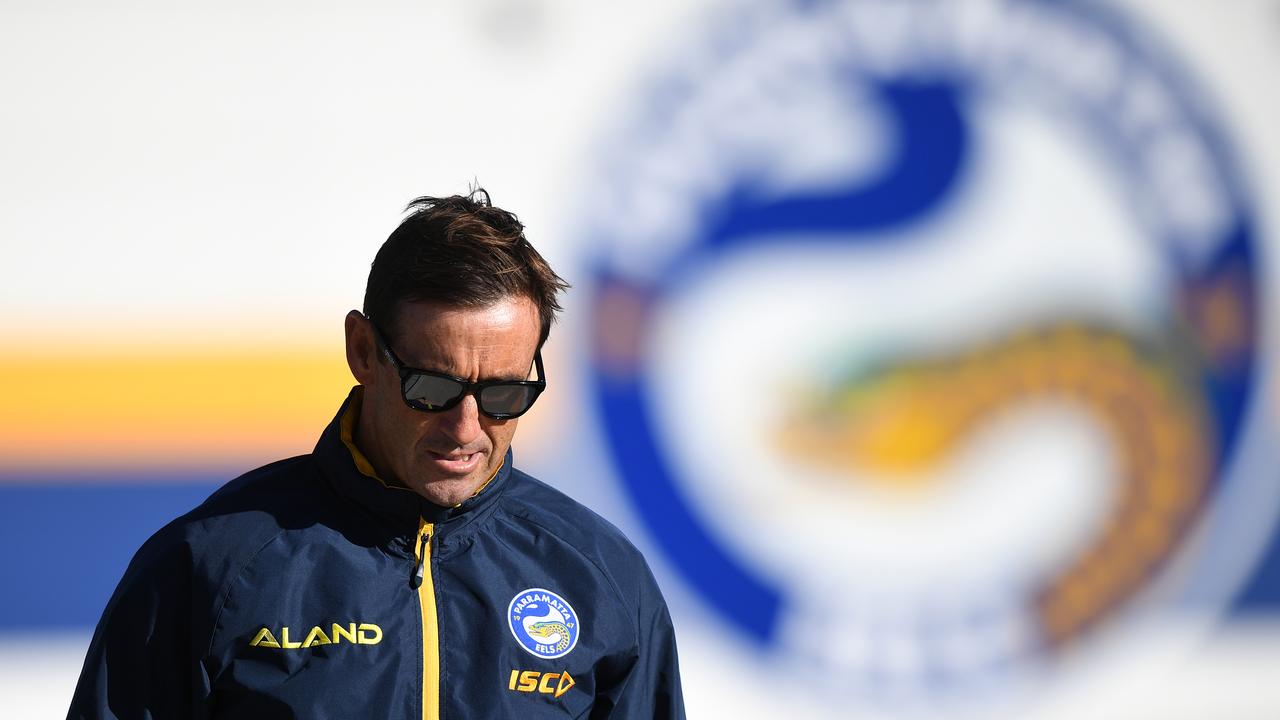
(431, 391)
(508, 399)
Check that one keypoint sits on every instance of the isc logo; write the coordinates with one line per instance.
(551, 683)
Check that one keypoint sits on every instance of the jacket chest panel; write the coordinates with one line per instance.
(534, 630)
(527, 627)
(334, 629)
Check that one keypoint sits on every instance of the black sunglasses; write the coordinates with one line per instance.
(431, 391)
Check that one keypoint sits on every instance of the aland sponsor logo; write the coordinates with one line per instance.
(333, 634)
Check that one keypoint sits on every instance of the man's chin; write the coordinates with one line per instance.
(449, 491)
(447, 481)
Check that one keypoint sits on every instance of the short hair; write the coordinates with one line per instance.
(461, 251)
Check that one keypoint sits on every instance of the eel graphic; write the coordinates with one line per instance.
(904, 418)
(546, 629)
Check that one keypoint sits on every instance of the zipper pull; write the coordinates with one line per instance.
(420, 569)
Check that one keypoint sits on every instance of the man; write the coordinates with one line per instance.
(404, 569)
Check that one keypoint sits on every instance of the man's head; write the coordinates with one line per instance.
(456, 290)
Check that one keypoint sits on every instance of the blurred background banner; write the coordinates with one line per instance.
(927, 348)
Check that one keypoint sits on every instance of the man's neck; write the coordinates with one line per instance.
(366, 443)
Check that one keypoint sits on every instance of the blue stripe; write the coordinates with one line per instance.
(67, 540)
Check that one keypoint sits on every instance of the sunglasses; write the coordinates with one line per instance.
(431, 391)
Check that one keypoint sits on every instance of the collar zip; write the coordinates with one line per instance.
(422, 555)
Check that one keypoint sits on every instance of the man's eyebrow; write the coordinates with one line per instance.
(446, 369)
(516, 376)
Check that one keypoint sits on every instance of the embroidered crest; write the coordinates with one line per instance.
(543, 623)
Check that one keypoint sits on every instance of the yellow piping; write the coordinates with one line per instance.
(348, 432)
(430, 625)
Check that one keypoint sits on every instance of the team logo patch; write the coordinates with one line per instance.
(543, 623)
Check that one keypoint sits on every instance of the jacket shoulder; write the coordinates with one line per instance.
(234, 522)
(544, 505)
(535, 503)
(261, 500)
(182, 567)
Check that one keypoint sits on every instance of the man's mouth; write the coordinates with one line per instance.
(455, 463)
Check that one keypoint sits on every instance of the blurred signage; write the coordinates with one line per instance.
(926, 337)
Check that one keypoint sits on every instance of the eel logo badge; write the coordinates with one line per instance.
(967, 297)
(543, 623)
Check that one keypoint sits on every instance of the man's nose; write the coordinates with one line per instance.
(461, 423)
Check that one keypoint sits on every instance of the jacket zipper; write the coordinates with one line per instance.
(424, 551)
(422, 581)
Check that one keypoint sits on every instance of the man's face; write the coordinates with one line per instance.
(443, 456)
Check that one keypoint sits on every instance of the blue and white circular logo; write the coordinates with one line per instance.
(543, 623)
(961, 301)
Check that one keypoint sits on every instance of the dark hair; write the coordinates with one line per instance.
(462, 251)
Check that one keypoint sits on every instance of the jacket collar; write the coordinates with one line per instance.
(353, 478)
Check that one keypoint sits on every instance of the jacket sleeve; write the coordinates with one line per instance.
(652, 688)
(140, 662)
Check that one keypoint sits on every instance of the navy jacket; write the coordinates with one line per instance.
(299, 591)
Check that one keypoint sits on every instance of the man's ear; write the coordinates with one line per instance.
(362, 348)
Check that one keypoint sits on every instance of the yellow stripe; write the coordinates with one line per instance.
(430, 627)
(102, 405)
(165, 406)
